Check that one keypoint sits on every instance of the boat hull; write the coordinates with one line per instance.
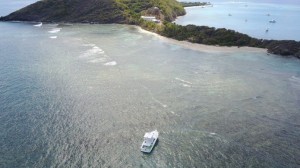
(149, 149)
(150, 139)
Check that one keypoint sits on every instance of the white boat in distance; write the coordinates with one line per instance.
(38, 25)
(150, 139)
(272, 21)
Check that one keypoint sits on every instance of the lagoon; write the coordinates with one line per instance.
(249, 18)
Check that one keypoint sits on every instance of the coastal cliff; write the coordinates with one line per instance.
(130, 12)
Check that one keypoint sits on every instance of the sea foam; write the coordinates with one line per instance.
(55, 30)
(112, 63)
(186, 85)
(184, 81)
(38, 25)
(295, 79)
(89, 45)
(95, 55)
(98, 60)
(92, 52)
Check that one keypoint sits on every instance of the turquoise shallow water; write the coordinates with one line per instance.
(86, 97)
(249, 18)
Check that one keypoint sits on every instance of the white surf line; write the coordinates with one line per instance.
(154, 99)
(38, 25)
(186, 85)
(54, 30)
(184, 81)
(159, 102)
(173, 113)
(112, 63)
(294, 79)
(98, 55)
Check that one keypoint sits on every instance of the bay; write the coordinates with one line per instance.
(84, 95)
(248, 17)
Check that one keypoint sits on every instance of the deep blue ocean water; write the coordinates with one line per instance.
(84, 95)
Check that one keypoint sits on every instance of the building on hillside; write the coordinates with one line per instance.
(150, 18)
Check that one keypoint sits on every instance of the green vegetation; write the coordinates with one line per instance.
(96, 11)
(133, 9)
(189, 4)
(208, 35)
(101, 11)
(130, 11)
(223, 37)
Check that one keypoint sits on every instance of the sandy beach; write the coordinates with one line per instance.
(202, 47)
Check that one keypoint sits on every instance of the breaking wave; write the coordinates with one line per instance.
(95, 54)
(55, 30)
(92, 52)
(112, 63)
(38, 25)
(295, 79)
(184, 81)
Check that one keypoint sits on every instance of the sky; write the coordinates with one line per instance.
(8, 6)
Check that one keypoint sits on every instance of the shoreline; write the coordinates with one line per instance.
(184, 44)
(195, 37)
(201, 47)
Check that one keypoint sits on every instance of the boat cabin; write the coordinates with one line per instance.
(149, 138)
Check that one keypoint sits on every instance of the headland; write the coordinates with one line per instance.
(155, 16)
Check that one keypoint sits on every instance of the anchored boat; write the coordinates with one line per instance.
(150, 139)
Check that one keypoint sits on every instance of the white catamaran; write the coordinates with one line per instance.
(150, 139)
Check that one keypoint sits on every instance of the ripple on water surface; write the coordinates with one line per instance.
(60, 106)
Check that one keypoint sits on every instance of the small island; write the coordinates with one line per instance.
(153, 15)
(190, 4)
(224, 37)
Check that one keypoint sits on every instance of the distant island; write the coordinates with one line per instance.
(152, 15)
(190, 4)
